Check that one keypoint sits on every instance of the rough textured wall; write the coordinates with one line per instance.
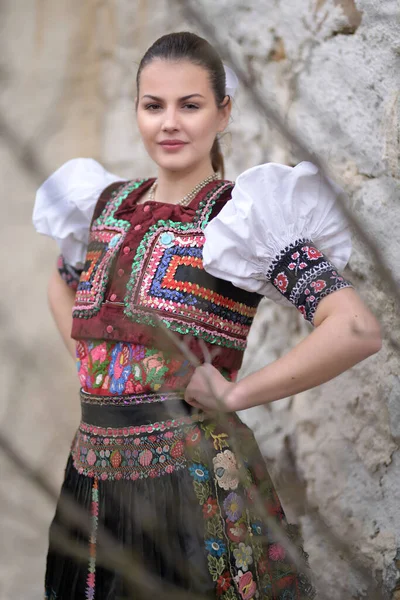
(331, 68)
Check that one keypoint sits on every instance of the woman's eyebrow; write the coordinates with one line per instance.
(181, 99)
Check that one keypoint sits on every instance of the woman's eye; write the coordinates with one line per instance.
(152, 106)
(191, 106)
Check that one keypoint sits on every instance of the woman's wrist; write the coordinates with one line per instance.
(238, 398)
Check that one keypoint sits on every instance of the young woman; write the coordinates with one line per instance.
(161, 273)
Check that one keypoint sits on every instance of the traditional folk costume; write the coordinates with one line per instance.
(186, 494)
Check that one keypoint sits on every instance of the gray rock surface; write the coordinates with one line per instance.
(67, 89)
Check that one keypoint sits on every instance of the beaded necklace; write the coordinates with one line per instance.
(189, 197)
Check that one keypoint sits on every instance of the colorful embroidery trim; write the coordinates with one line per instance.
(128, 399)
(70, 274)
(96, 453)
(304, 276)
(168, 282)
(94, 517)
(106, 238)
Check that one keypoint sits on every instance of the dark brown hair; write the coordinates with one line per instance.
(189, 46)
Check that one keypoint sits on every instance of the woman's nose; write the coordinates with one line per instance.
(171, 121)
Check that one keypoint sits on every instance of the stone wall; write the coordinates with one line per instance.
(331, 68)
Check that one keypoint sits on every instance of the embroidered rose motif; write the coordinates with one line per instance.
(312, 253)
(247, 586)
(281, 282)
(233, 505)
(236, 532)
(276, 552)
(243, 556)
(226, 470)
(210, 508)
(223, 583)
(295, 255)
(318, 285)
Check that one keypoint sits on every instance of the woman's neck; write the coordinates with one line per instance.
(172, 186)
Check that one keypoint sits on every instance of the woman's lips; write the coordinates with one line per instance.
(172, 145)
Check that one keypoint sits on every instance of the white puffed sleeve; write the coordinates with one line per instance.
(282, 231)
(65, 203)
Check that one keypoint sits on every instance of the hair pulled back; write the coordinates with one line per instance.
(189, 46)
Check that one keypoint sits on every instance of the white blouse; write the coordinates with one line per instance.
(272, 207)
(65, 204)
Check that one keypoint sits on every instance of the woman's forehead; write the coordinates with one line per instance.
(179, 78)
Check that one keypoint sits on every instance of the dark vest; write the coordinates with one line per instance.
(143, 278)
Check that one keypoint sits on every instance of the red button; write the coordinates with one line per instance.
(113, 297)
(109, 328)
(121, 272)
(137, 227)
(146, 208)
(127, 250)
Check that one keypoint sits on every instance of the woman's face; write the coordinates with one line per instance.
(177, 114)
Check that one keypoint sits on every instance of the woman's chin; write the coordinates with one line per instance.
(175, 164)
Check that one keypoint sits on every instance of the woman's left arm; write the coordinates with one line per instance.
(345, 333)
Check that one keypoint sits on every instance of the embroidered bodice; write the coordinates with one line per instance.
(146, 270)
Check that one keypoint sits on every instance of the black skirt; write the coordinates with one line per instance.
(160, 500)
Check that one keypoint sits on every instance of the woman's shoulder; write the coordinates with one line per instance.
(272, 208)
(66, 201)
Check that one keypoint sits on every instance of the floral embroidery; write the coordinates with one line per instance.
(193, 437)
(226, 470)
(210, 508)
(215, 547)
(244, 559)
(304, 276)
(281, 282)
(233, 505)
(199, 472)
(235, 531)
(247, 586)
(114, 368)
(223, 583)
(168, 281)
(243, 556)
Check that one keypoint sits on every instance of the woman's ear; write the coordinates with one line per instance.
(225, 113)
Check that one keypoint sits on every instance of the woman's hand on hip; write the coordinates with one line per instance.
(209, 390)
